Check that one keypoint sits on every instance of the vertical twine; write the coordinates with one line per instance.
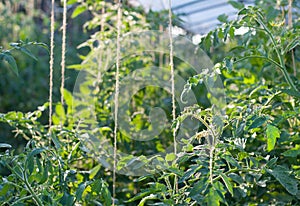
(117, 96)
(63, 51)
(51, 62)
(172, 74)
(173, 86)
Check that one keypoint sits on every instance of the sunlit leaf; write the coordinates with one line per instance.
(272, 134)
(94, 171)
(227, 183)
(79, 9)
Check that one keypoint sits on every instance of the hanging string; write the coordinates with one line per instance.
(117, 95)
(173, 86)
(172, 74)
(51, 62)
(63, 51)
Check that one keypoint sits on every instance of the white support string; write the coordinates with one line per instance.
(116, 102)
(173, 87)
(51, 62)
(172, 74)
(63, 51)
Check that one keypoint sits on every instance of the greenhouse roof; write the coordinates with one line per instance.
(199, 16)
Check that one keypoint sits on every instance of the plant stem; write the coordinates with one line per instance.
(282, 68)
(211, 158)
(25, 181)
(35, 197)
(280, 57)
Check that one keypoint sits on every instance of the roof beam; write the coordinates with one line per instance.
(186, 4)
(205, 8)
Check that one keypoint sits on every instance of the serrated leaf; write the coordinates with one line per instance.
(283, 176)
(79, 9)
(272, 134)
(12, 62)
(227, 183)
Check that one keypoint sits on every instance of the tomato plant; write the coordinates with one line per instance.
(244, 151)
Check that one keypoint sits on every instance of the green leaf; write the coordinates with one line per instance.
(228, 63)
(30, 160)
(291, 92)
(243, 11)
(237, 178)
(60, 111)
(227, 183)
(292, 152)
(213, 197)
(68, 98)
(294, 43)
(67, 199)
(257, 122)
(80, 191)
(223, 18)
(283, 176)
(55, 140)
(27, 52)
(94, 171)
(170, 157)
(11, 61)
(106, 196)
(44, 176)
(237, 5)
(272, 134)
(43, 45)
(5, 189)
(71, 2)
(79, 9)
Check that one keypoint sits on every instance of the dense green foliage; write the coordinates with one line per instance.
(246, 155)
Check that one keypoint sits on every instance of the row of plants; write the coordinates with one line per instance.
(251, 157)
